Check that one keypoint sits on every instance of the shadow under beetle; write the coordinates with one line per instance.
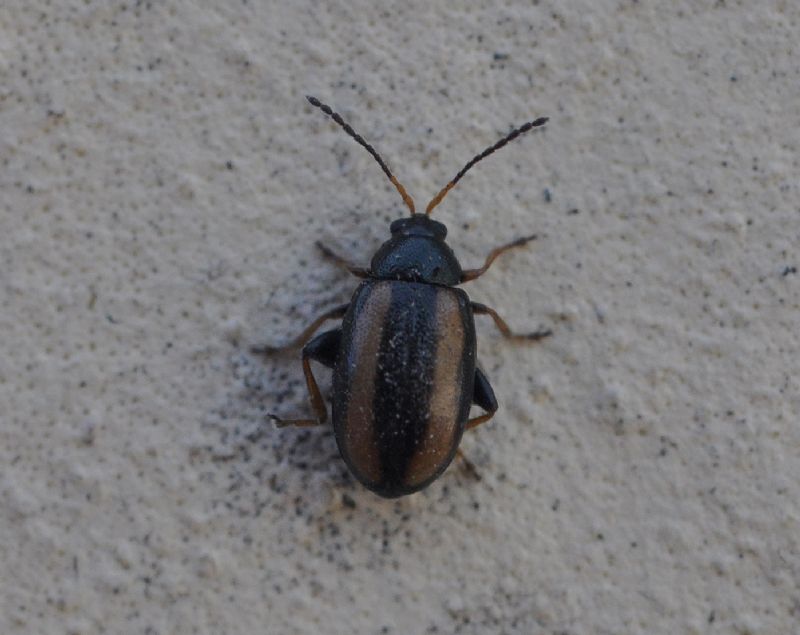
(404, 368)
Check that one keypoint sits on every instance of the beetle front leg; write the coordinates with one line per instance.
(336, 312)
(471, 274)
(482, 309)
(357, 271)
(324, 348)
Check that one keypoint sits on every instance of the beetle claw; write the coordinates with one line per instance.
(524, 240)
(279, 423)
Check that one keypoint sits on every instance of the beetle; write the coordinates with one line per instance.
(404, 360)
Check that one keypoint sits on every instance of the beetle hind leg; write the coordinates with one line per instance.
(324, 348)
(331, 314)
(482, 396)
(469, 466)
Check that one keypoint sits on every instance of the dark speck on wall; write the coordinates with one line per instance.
(348, 501)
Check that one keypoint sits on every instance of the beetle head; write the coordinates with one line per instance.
(418, 225)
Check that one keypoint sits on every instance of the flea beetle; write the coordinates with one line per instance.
(403, 360)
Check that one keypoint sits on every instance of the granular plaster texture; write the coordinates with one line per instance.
(163, 184)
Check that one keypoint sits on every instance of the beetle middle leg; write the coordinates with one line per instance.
(471, 274)
(483, 397)
(482, 309)
(357, 271)
(324, 348)
(332, 314)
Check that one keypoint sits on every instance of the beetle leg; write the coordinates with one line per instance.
(482, 309)
(357, 271)
(334, 313)
(471, 274)
(324, 348)
(469, 466)
(482, 396)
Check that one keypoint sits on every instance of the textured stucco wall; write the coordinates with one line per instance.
(163, 182)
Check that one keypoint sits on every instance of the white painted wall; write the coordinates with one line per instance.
(163, 183)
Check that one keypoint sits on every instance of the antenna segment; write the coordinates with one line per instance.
(338, 119)
(510, 137)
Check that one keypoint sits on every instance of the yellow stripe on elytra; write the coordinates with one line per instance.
(445, 395)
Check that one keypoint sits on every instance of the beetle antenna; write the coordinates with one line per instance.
(338, 119)
(513, 135)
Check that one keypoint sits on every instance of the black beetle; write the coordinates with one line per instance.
(404, 368)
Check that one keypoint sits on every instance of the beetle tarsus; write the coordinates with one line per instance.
(482, 309)
(523, 241)
(299, 423)
(537, 335)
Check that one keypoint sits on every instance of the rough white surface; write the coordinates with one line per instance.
(163, 183)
